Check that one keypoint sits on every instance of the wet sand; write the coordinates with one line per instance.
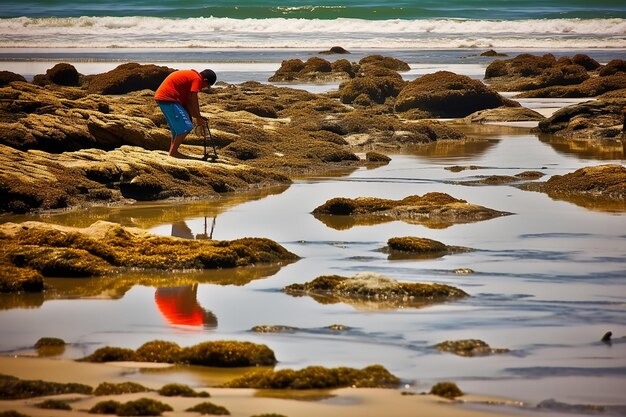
(348, 402)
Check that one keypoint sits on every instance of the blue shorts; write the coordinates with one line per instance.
(176, 116)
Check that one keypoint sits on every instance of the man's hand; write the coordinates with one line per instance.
(200, 121)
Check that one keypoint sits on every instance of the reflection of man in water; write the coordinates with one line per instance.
(180, 306)
(180, 229)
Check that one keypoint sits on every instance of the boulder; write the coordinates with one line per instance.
(368, 90)
(491, 52)
(436, 210)
(589, 88)
(586, 62)
(335, 50)
(7, 77)
(63, 74)
(598, 119)
(613, 67)
(445, 94)
(315, 69)
(385, 61)
(128, 77)
(373, 291)
(524, 65)
(469, 348)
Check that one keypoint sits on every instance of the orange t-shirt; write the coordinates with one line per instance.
(179, 85)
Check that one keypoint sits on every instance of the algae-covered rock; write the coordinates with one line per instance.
(418, 247)
(445, 94)
(601, 188)
(315, 69)
(376, 157)
(373, 291)
(49, 342)
(446, 389)
(60, 74)
(53, 404)
(385, 61)
(221, 353)
(613, 67)
(107, 247)
(108, 388)
(504, 114)
(143, 407)
(591, 87)
(335, 50)
(597, 119)
(12, 388)
(105, 407)
(16, 279)
(209, 408)
(491, 52)
(469, 347)
(274, 329)
(181, 390)
(128, 77)
(317, 377)
(432, 209)
(7, 77)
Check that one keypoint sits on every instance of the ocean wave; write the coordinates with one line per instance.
(127, 32)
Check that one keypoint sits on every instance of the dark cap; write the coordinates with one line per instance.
(209, 76)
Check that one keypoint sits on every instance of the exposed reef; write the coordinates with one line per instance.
(469, 348)
(373, 291)
(436, 210)
(410, 247)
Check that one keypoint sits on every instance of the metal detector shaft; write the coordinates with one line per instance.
(212, 140)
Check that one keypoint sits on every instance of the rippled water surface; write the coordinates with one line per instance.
(548, 280)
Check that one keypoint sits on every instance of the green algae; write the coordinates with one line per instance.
(181, 390)
(317, 377)
(447, 390)
(140, 407)
(209, 408)
(108, 388)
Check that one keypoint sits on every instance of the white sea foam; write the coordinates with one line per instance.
(210, 32)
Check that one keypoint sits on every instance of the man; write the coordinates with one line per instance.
(177, 97)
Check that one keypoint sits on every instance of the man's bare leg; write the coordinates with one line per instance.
(176, 142)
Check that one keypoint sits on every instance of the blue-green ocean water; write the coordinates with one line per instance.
(327, 9)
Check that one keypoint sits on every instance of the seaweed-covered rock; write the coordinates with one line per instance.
(591, 87)
(12, 388)
(143, 407)
(410, 246)
(600, 188)
(128, 77)
(209, 408)
(431, 209)
(181, 390)
(586, 62)
(60, 74)
(376, 157)
(15, 279)
(613, 67)
(376, 89)
(317, 377)
(315, 69)
(598, 119)
(491, 52)
(446, 389)
(159, 351)
(49, 342)
(373, 290)
(7, 77)
(273, 329)
(385, 61)
(52, 404)
(445, 94)
(106, 247)
(504, 114)
(469, 347)
(524, 65)
(108, 388)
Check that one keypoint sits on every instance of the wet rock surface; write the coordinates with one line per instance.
(601, 188)
(504, 114)
(58, 251)
(437, 210)
(410, 247)
(374, 291)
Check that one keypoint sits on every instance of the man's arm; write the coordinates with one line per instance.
(194, 108)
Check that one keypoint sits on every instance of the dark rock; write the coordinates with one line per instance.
(335, 50)
(313, 70)
(592, 120)
(385, 61)
(491, 52)
(585, 61)
(613, 67)
(7, 77)
(63, 74)
(589, 88)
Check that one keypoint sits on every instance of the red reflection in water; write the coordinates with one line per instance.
(179, 306)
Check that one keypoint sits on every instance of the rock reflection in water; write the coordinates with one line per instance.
(607, 149)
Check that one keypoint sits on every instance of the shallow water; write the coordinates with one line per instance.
(549, 280)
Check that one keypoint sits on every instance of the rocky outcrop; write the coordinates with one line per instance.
(369, 290)
(598, 119)
(367, 90)
(589, 88)
(601, 188)
(410, 247)
(7, 77)
(335, 50)
(126, 78)
(385, 61)
(313, 70)
(38, 180)
(491, 53)
(103, 248)
(613, 67)
(504, 114)
(60, 74)
(531, 72)
(437, 210)
(445, 94)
